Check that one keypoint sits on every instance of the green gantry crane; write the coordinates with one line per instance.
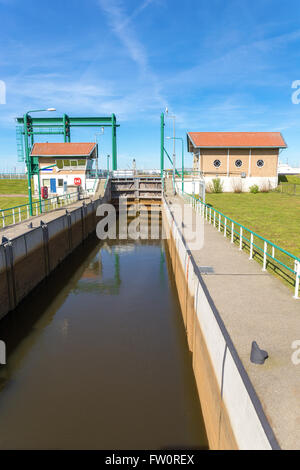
(28, 127)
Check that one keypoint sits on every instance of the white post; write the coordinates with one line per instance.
(232, 231)
(3, 216)
(227, 162)
(265, 256)
(214, 218)
(14, 220)
(249, 166)
(241, 238)
(219, 222)
(273, 251)
(251, 246)
(225, 226)
(27, 212)
(296, 296)
(210, 215)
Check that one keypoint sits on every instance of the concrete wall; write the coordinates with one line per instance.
(27, 259)
(233, 415)
(230, 184)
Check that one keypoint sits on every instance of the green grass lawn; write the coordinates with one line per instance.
(6, 202)
(17, 186)
(294, 179)
(272, 215)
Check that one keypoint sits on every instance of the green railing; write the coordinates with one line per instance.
(16, 214)
(270, 255)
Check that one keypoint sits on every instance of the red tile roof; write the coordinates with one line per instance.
(66, 149)
(237, 139)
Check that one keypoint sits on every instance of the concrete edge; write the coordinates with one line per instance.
(237, 361)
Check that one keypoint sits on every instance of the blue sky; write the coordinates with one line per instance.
(217, 65)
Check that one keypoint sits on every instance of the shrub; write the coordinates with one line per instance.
(254, 189)
(237, 185)
(265, 187)
(216, 186)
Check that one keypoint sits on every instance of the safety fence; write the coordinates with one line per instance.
(13, 176)
(270, 255)
(16, 214)
(289, 188)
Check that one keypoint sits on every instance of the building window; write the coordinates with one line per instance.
(46, 182)
(217, 163)
(238, 163)
(71, 164)
(260, 163)
(60, 183)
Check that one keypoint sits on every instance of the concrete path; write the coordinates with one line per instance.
(13, 231)
(255, 305)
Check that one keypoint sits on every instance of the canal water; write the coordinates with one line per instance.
(97, 357)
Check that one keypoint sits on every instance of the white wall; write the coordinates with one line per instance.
(229, 183)
(69, 178)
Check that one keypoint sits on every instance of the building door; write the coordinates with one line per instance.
(52, 185)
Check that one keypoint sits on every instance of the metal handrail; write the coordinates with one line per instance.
(209, 213)
(13, 215)
(106, 180)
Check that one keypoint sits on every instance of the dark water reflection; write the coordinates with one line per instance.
(98, 359)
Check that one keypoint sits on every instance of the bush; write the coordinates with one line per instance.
(216, 186)
(265, 187)
(254, 189)
(237, 185)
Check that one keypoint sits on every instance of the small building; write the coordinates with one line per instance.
(64, 166)
(239, 159)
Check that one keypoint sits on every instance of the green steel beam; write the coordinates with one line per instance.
(27, 129)
(114, 142)
(162, 143)
(72, 120)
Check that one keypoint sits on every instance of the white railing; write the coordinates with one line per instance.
(268, 253)
(17, 214)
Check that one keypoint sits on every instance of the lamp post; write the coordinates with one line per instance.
(174, 146)
(182, 159)
(96, 141)
(28, 132)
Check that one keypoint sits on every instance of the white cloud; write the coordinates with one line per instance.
(121, 25)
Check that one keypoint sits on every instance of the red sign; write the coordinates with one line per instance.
(77, 181)
(44, 191)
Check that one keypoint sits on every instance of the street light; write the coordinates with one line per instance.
(174, 147)
(182, 161)
(98, 133)
(41, 110)
(28, 159)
